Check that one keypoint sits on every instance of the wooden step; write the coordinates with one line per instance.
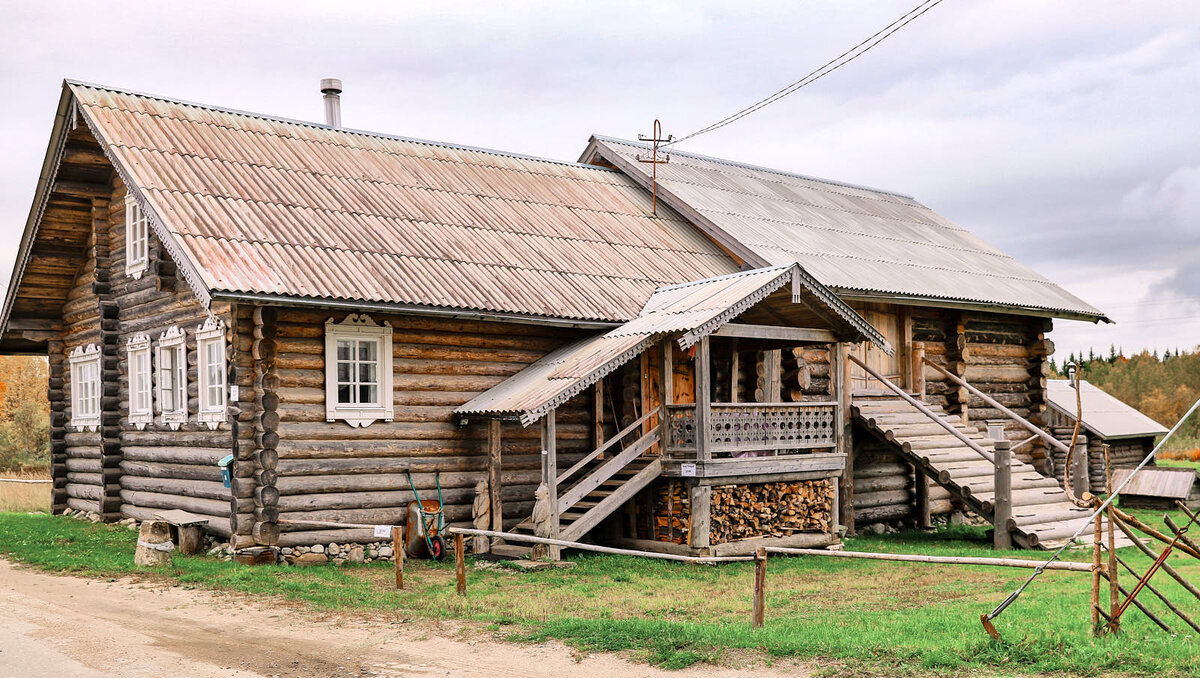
(511, 551)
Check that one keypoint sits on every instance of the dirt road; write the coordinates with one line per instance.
(69, 627)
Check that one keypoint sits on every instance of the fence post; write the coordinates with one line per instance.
(760, 588)
(1002, 501)
(460, 564)
(1079, 467)
(398, 555)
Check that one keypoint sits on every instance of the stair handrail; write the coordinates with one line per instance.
(607, 444)
(924, 409)
(1025, 423)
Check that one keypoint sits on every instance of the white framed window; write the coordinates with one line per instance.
(141, 398)
(85, 387)
(210, 352)
(137, 238)
(358, 371)
(171, 374)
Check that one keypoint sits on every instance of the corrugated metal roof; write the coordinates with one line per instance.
(278, 207)
(1103, 414)
(851, 238)
(1170, 483)
(693, 309)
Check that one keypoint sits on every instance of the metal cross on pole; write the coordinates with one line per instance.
(655, 139)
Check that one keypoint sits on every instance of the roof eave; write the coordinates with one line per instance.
(411, 309)
(919, 300)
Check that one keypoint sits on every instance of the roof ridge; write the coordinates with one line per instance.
(735, 274)
(760, 168)
(347, 130)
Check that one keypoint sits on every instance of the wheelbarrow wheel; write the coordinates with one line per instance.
(437, 547)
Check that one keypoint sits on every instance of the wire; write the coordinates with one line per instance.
(829, 67)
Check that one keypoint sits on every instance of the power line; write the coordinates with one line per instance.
(829, 67)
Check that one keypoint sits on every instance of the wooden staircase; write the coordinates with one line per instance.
(604, 486)
(1042, 515)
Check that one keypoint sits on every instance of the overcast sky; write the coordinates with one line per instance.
(1064, 133)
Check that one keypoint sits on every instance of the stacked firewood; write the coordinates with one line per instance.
(770, 509)
(805, 373)
(671, 513)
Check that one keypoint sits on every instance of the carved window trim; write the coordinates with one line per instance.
(170, 372)
(211, 372)
(359, 328)
(137, 238)
(85, 387)
(141, 381)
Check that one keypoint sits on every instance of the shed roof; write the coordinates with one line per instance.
(858, 241)
(1103, 414)
(257, 205)
(691, 310)
(1169, 483)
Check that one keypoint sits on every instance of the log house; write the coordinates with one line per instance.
(340, 310)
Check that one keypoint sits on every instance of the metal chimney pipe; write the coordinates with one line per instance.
(332, 89)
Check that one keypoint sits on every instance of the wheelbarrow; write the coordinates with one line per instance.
(424, 524)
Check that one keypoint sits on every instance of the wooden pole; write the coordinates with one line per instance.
(580, 546)
(1002, 502)
(1114, 588)
(666, 392)
(703, 398)
(936, 560)
(735, 368)
(839, 373)
(494, 467)
(598, 414)
(1145, 610)
(398, 555)
(460, 564)
(1166, 601)
(550, 474)
(760, 588)
(918, 369)
(1097, 536)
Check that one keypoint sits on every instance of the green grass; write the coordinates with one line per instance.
(852, 617)
(1180, 463)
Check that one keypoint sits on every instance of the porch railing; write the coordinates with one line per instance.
(736, 428)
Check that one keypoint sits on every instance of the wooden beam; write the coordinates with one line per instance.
(79, 189)
(735, 366)
(799, 335)
(840, 370)
(550, 474)
(494, 486)
(666, 393)
(703, 398)
(598, 414)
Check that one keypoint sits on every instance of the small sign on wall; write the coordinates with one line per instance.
(383, 531)
(233, 393)
(687, 470)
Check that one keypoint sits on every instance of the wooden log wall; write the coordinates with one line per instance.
(331, 471)
(1005, 356)
(884, 484)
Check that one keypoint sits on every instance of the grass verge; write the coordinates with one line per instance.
(855, 617)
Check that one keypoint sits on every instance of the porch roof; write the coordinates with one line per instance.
(692, 310)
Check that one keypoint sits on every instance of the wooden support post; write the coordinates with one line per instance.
(758, 614)
(839, 373)
(1002, 502)
(460, 564)
(918, 370)
(700, 516)
(1097, 546)
(904, 350)
(774, 377)
(735, 369)
(550, 475)
(494, 486)
(703, 398)
(598, 415)
(921, 491)
(666, 391)
(398, 555)
(1079, 467)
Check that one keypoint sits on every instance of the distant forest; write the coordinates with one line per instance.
(1163, 386)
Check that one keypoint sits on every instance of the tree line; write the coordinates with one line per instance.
(24, 413)
(1162, 387)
